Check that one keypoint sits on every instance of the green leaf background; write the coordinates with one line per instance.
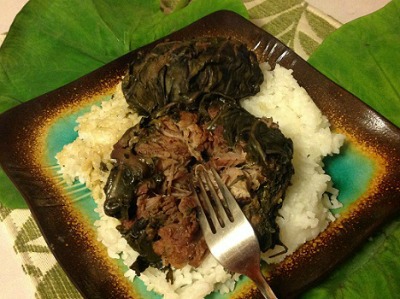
(49, 45)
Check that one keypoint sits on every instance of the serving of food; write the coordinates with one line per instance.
(222, 92)
(202, 101)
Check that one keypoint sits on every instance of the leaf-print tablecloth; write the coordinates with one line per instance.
(296, 23)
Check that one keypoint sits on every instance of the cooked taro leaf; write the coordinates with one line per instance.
(262, 136)
(189, 71)
(119, 190)
(265, 145)
(139, 240)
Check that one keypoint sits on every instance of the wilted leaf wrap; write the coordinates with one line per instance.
(188, 71)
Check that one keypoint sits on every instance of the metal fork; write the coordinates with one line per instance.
(228, 233)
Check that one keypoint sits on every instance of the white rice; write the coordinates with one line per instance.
(305, 211)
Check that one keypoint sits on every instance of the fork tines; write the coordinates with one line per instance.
(228, 234)
(213, 197)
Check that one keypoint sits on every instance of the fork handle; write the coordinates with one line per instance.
(263, 285)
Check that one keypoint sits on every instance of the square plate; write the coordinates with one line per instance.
(365, 172)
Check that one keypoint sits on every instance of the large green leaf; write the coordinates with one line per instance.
(363, 56)
(9, 195)
(372, 273)
(54, 42)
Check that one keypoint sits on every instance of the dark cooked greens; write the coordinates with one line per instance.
(188, 93)
(188, 72)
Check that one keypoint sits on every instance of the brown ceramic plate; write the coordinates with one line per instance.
(34, 131)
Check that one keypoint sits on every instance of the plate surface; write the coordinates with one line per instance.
(365, 172)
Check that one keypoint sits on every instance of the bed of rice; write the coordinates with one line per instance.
(305, 211)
